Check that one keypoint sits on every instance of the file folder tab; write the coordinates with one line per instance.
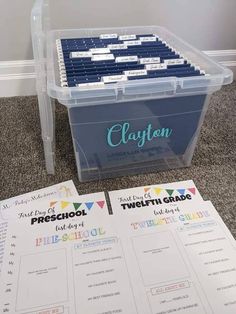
(81, 54)
(127, 59)
(154, 67)
(117, 46)
(99, 50)
(127, 37)
(133, 43)
(135, 72)
(174, 61)
(150, 60)
(103, 57)
(91, 85)
(108, 36)
(146, 39)
(114, 78)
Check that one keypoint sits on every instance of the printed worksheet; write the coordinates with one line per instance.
(68, 259)
(28, 204)
(180, 256)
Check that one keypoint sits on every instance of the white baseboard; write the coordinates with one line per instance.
(225, 57)
(17, 78)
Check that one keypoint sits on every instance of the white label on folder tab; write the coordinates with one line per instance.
(114, 78)
(103, 57)
(117, 46)
(91, 85)
(149, 60)
(108, 36)
(135, 72)
(127, 37)
(174, 61)
(154, 67)
(133, 43)
(127, 59)
(99, 50)
(147, 38)
(81, 54)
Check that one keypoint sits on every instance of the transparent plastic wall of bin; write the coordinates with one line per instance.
(40, 25)
(148, 105)
(103, 120)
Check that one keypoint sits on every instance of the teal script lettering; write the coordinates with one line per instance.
(120, 134)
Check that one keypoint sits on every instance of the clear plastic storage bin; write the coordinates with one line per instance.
(131, 126)
(139, 125)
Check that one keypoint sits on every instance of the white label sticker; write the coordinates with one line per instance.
(174, 61)
(108, 36)
(133, 43)
(149, 60)
(99, 50)
(153, 67)
(114, 78)
(81, 54)
(127, 59)
(135, 72)
(145, 39)
(103, 57)
(117, 46)
(91, 85)
(127, 37)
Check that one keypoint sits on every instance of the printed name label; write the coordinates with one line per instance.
(121, 134)
(114, 78)
(135, 72)
(103, 57)
(99, 50)
(81, 54)
(153, 67)
(117, 46)
(108, 36)
(146, 39)
(127, 59)
(127, 37)
(149, 60)
(174, 61)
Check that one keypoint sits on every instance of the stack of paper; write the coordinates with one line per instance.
(158, 250)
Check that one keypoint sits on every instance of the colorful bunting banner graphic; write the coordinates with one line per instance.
(181, 191)
(64, 204)
(157, 190)
(77, 205)
(170, 192)
(192, 190)
(89, 205)
(146, 189)
(101, 204)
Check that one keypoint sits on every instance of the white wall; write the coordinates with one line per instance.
(15, 43)
(208, 24)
